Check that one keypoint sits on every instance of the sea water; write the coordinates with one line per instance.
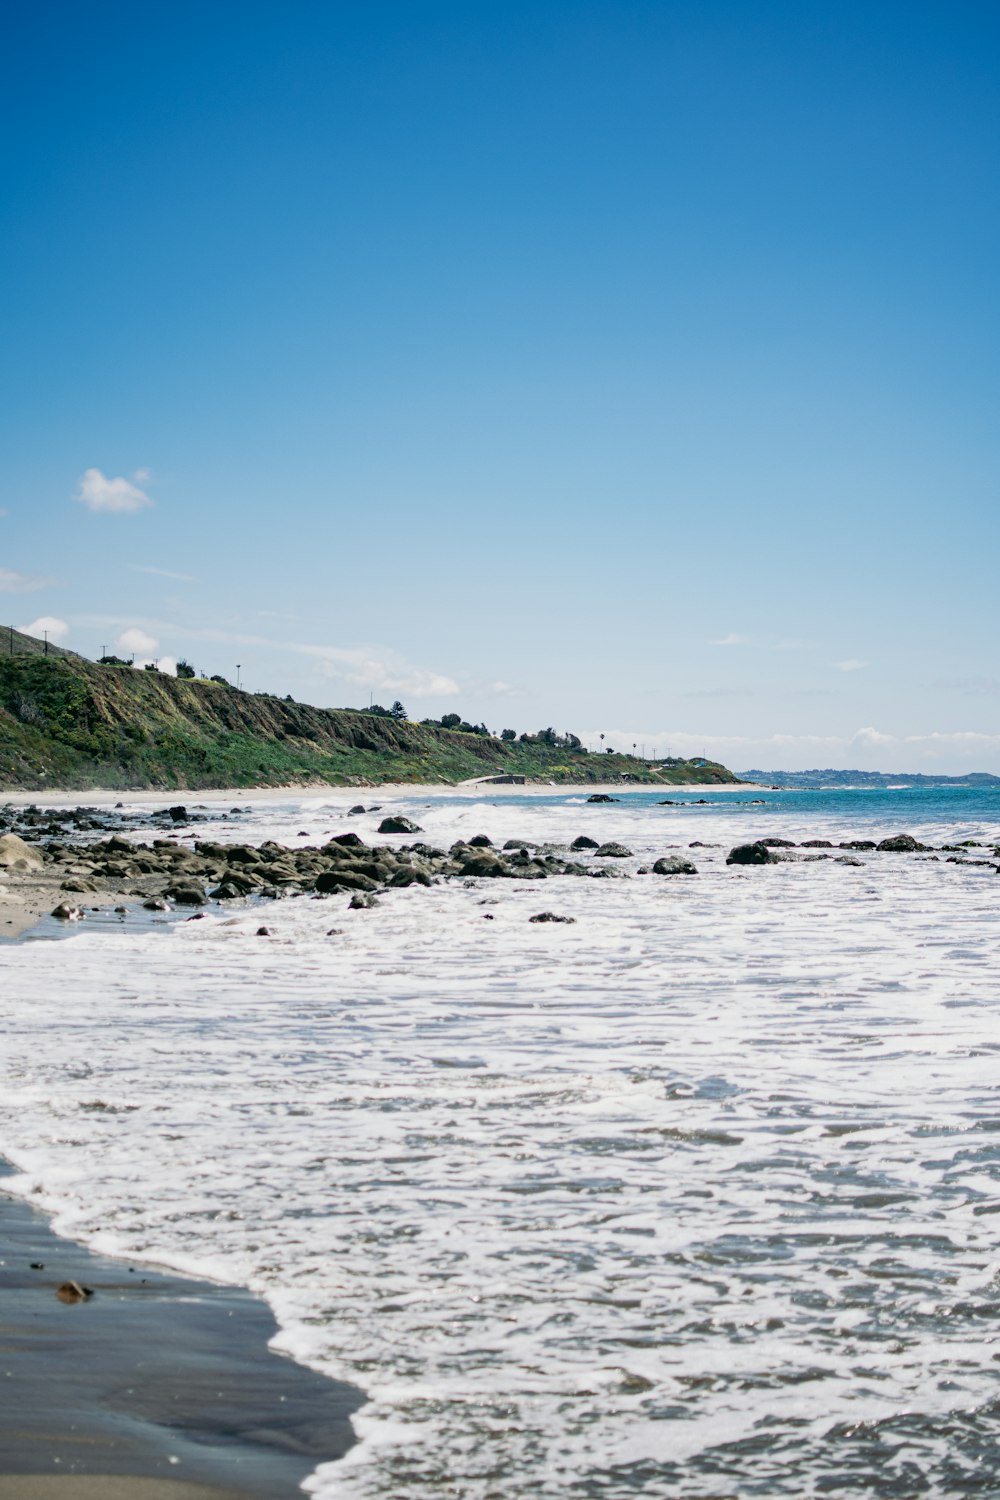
(697, 1195)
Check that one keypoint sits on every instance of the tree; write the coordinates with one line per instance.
(185, 669)
(397, 711)
(112, 661)
(450, 721)
(508, 734)
(216, 678)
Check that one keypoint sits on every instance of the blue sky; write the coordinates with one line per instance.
(626, 367)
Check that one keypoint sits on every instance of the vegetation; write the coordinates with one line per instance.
(68, 722)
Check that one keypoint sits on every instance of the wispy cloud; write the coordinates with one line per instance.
(136, 642)
(870, 738)
(732, 639)
(852, 664)
(50, 625)
(17, 583)
(99, 493)
(163, 573)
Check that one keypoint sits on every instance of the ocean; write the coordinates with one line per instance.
(697, 1195)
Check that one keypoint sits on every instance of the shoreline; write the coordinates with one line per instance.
(156, 1387)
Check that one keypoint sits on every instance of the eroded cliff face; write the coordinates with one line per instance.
(70, 723)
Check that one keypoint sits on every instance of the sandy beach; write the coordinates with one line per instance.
(155, 1387)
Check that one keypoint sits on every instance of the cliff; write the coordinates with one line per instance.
(66, 722)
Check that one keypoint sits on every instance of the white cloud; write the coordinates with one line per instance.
(164, 573)
(168, 664)
(142, 476)
(99, 493)
(384, 672)
(869, 738)
(17, 583)
(55, 628)
(136, 642)
(852, 664)
(732, 639)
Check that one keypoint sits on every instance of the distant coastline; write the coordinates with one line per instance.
(885, 780)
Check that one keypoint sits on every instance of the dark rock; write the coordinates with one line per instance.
(613, 851)
(72, 1291)
(482, 862)
(67, 913)
(848, 859)
(903, 843)
(354, 812)
(480, 842)
(777, 843)
(858, 844)
(261, 931)
(751, 854)
(398, 825)
(668, 802)
(410, 877)
(527, 843)
(224, 892)
(583, 843)
(349, 841)
(817, 844)
(550, 916)
(608, 872)
(157, 903)
(186, 895)
(78, 885)
(674, 864)
(179, 814)
(344, 880)
(602, 797)
(361, 901)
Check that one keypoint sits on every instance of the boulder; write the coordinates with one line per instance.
(858, 844)
(582, 843)
(78, 885)
(186, 895)
(353, 812)
(848, 859)
(674, 864)
(529, 843)
(550, 916)
(777, 843)
(15, 854)
(67, 913)
(349, 840)
(613, 851)
(480, 841)
(157, 903)
(344, 880)
(398, 825)
(410, 877)
(751, 854)
(482, 862)
(178, 814)
(903, 843)
(817, 844)
(601, 797)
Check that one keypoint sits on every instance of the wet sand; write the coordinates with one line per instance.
(157, 1387)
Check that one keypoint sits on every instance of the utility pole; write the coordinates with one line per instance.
(238, 670)
(45, 633)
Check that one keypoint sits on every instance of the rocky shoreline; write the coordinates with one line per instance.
(51, 864)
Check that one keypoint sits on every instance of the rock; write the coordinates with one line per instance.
(903, 843)
(582, 843)
(354, 812)
(68, 913)
(608, 872)
(344, 880)
(674, 864)
(186, 895)
(15, 854)
(398, 825)
(858, 844)
(410, 877)
(613, 851)
(117, 845)
(777, 843)
(361, 902)
(817, 844)
(224, 892)
(668, 802)
(261, 931)
(480, 842)
(157, 903)
(78, 885)
(179, 814)
(849, 859)
(528, 843)
(349, 841)
(72, 1291)
(482, 862)
(601, 797)
(751, 854)
(550, 916)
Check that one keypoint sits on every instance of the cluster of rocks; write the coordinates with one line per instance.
(770, 851)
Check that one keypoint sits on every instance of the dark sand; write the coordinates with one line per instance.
(155, 1388)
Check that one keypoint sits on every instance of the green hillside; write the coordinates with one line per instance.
(67, 722)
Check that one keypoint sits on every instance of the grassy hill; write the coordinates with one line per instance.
(66, 722)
